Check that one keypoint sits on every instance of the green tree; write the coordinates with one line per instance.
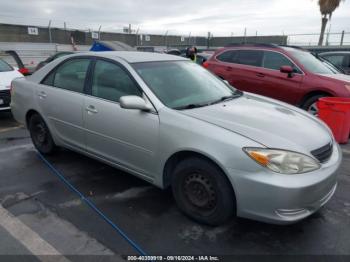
(327, 7)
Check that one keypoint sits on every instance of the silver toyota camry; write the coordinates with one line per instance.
(174, 124)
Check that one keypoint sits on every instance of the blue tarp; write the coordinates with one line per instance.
(97, 46)
(110, 46)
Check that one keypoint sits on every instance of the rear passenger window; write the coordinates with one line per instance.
(111, 82)
(71, 75)
(273, 60)
(227, 56)
(48, 80)
(249, 57)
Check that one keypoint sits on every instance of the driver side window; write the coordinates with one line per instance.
(273, 60)
(110, 82)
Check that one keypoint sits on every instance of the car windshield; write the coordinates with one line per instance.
(5, 67)
(311, 63)
(184, 84)
(332, 67)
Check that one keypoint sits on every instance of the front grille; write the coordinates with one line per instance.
(322, 154)
(6, 97)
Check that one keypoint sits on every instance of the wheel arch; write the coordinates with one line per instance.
(179, 156)
(29, 114)
(32, 112)
(314, 93)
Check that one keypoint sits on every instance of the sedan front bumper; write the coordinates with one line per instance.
(5, 99)
(282, 199)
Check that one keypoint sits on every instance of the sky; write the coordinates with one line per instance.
(178, 17)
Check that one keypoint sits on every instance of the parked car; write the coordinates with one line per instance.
(7, 74)
(285, 73)
(12, 58)
(202, 57)
(51, 58)
(173, 123)
(332, 67)
(340, 59)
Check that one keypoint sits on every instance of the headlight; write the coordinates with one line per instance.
(281, 161)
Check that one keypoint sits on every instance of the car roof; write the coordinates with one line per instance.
(267, 47)
(134, 56)
(204, 54)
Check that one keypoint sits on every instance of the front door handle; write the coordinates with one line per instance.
(260, 75)
(228, 68)
(91, 109)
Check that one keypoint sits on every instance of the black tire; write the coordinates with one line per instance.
(41, 136)
(309, 102)
(203, 192)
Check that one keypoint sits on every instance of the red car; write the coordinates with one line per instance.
(289, 74)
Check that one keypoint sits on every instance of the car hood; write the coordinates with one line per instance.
(269, 122)
(7, 77)
(340, 77)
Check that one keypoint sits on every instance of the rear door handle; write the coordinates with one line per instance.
(228, 68)
(260, 75)
(91, 109)
(42, 95)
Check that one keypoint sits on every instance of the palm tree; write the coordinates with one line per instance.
(327, 7)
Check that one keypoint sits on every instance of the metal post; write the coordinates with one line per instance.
(50, 37)
(166, 39)
(208, 42)
(65, 31)
(99, 32)
(189, 39)
(342, 37)
(329, 30)
(245, 35)
(137, 36)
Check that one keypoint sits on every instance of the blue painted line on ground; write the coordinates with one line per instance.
(92, 206)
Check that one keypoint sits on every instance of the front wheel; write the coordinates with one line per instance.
(41, 135)
(310, 105)
(203, 192)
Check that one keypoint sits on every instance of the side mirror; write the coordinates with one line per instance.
(287, 70)
(134, 102)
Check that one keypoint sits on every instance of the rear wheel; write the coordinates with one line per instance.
(41, 135)
(310, 105)
(203, 192)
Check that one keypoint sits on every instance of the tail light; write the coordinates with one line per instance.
(205, 64)
(23, 71)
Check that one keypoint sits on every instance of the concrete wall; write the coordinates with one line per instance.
(222, 41)
(19, 33)
(32, 53)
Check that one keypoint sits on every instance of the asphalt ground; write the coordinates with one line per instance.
(57, 216)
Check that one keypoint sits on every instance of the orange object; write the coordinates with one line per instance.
(259, 157)
(335, 112)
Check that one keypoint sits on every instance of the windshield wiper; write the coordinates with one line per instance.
(190, 106)
(234, 95)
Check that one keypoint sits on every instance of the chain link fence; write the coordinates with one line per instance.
(330, 39)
